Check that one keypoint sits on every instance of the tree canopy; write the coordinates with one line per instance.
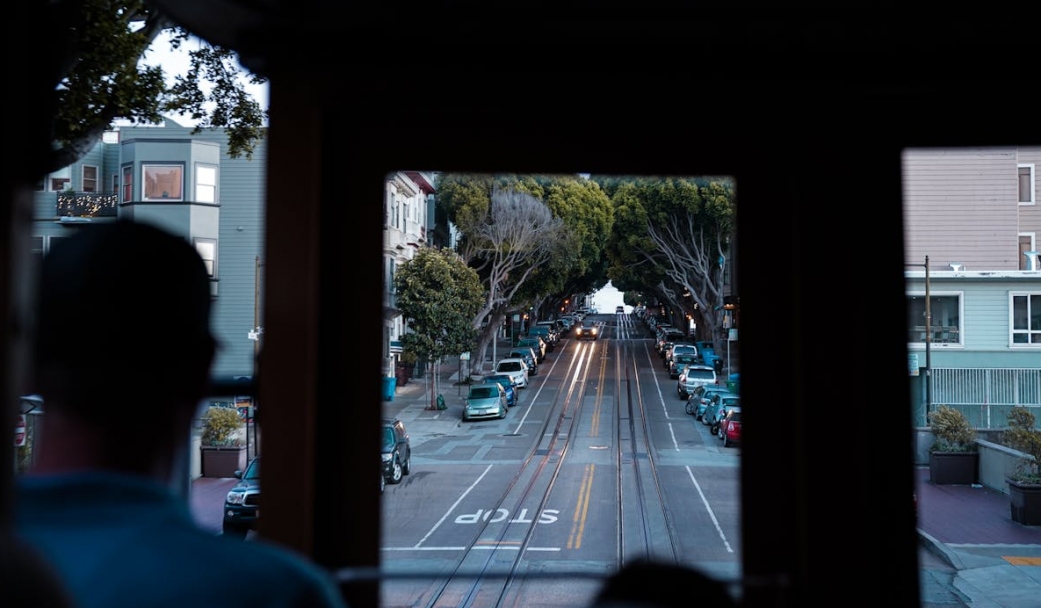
(438, 296)
(672, 236)
(95, 48)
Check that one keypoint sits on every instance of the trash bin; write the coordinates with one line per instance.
(734, 383)
(390, 383)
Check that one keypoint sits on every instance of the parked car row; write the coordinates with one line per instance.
(242, 502)
(696, 368)
(513, 372)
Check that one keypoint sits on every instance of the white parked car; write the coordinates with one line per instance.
(694, 376)
(516, 368)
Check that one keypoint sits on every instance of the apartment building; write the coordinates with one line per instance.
(974, 313)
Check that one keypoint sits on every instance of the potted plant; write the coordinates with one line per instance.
(223, 452)
(1024, 484)
(953, 456)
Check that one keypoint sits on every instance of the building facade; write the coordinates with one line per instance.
(409, 217)
(189, 185)
(971, 226)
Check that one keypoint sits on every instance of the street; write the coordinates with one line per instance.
(598, 465)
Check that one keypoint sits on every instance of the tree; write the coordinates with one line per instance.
(508, 234)
(438, 296)
(94, 71)
(674, 232)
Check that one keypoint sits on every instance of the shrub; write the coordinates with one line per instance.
(220, 427)
(951, 431)
(1022, 435)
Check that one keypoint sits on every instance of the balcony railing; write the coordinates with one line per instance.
(87, 204)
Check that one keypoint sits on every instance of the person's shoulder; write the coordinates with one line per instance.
(284, 570)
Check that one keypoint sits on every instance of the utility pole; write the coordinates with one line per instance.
(928, 345)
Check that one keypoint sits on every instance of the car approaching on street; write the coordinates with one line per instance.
(619, 309)
(396, 450)
(242, 503)
(485, 401)
(507, 384)
(587, 332)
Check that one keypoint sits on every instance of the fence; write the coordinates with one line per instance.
(985, 396)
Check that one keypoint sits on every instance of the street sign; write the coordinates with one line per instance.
(19, 431)
(464, 356)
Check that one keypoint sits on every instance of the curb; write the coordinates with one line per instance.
(940, 550)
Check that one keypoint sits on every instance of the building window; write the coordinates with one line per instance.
(90, 178)
(945, 310)
(207, 249)
(1026, 318)
(163, 183)
(40, 245)
(60, 184)
(1026, 184)
(206, 184)
(1027, 242)
(115, 184)
(128, 184)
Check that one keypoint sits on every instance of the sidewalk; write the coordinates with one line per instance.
(997, 561)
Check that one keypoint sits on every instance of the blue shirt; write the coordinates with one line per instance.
(118, 540)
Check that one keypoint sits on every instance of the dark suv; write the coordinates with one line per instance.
(242, 504)
(396, 452)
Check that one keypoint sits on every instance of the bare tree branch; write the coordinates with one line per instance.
(517, 236)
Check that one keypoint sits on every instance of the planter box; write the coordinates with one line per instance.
(1025, 503)
(223, 462)
(954, 468)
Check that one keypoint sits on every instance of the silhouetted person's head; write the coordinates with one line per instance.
(124, 346)
(649, 583)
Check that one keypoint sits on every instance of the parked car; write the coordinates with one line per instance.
(545, 333)
(700, 398)
(507, 384)
(554, 330)
(730, 428)
(537, 344)
(679, 348)
(678, 364)
(692, 377)
(484, 401)
(587, 332)
(717, 409)
(514, 368)
(242, 503)
(397, 450)
(530, 357)
(619, 309)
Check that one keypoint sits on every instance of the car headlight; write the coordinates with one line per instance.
(386, 457)
(235, 498)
